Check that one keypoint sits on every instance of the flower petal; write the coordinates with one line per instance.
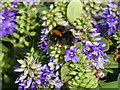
(75, 59)
(67, 58)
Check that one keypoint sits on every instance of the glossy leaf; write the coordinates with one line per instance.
(74, 10)
(110, 85)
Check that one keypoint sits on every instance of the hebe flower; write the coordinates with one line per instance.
(14, 2)
(7, 22)
(31, 72)
(110, 20)
(54, 80)
(94, 52)
(34, 74)
(43, 45)
(71, 54)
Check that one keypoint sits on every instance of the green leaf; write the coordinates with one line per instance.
(79, 46)
(32, 33)
(43, 9)
(112, 66)
(64, 72)
(111, 58)
(74, 10)
(118, 46)
(1, 56)
(16, 35)
(106, 48)
(108, 70)
(118, 78)
(32, 50)
(26, 43)
(5, 39)
(110, 85)
(25, 3)
(3, 47)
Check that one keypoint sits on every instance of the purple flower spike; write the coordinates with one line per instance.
(71, 54)
(29, 81)
(14, 2)
(54, 80)
(110, 20)
(7, 22)
(94, 52)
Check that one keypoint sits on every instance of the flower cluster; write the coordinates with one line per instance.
(71, 54)
(7, 22)
(94, 52)
(109, 20)
(35, 74)
(43, 43)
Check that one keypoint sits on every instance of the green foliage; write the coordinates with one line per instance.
(110, 85)
(79, 75)
(79, 46)
(3, 47)
(117, 37)
(74, 10)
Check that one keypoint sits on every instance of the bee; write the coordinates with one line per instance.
(61, 34)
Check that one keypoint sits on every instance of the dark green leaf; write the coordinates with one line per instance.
(74, 10)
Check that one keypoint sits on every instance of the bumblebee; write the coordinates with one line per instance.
(61, 34)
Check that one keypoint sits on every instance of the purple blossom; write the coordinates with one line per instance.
(109, 20)
(54, 80)
(43, 45)
(7, 22)
(14, 2)
(52, 64)
(71, 54)
(33, 69)
(94, 52)
(34, 74)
